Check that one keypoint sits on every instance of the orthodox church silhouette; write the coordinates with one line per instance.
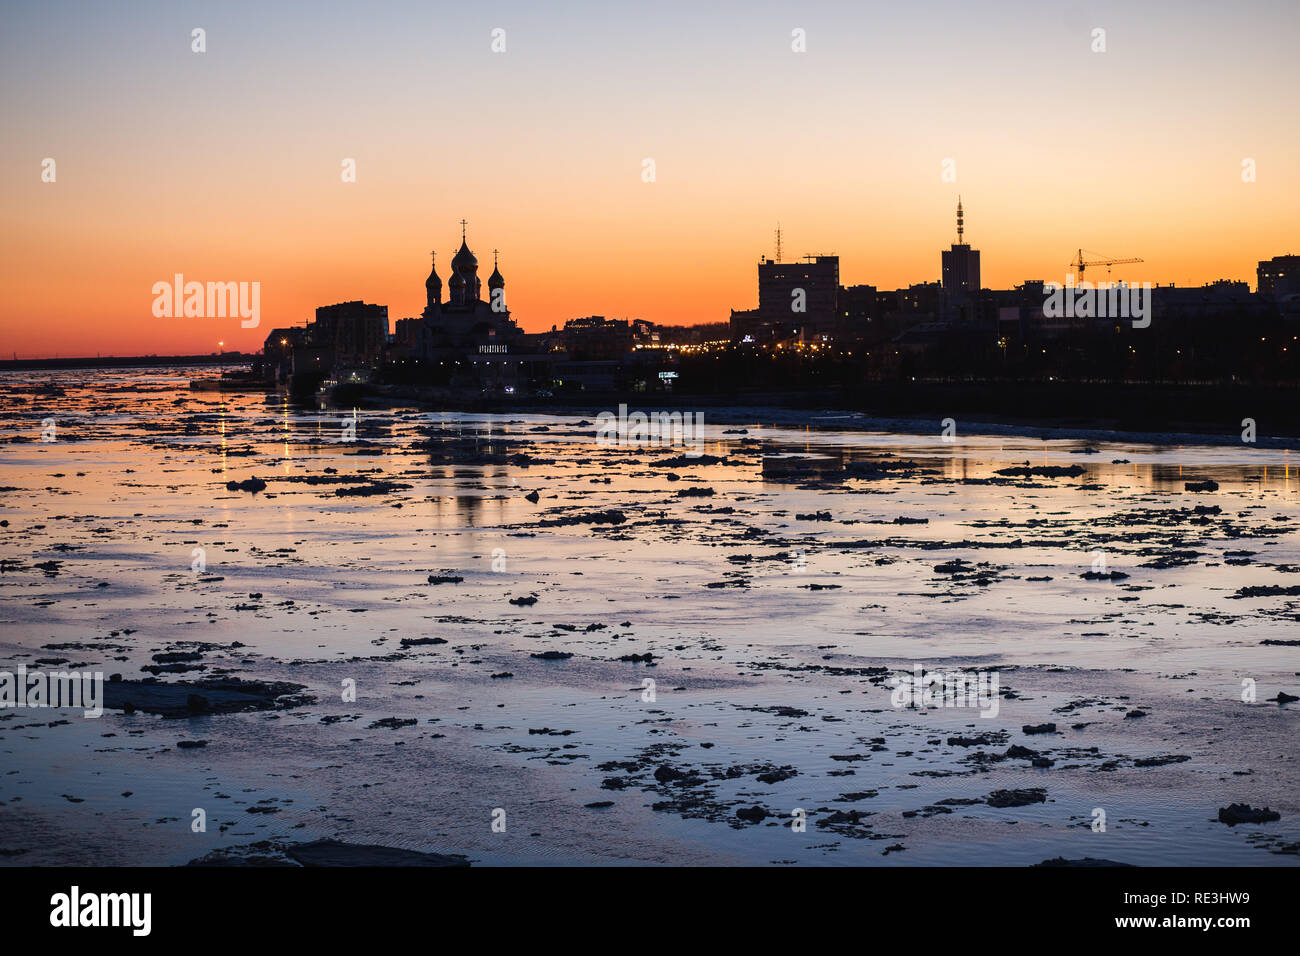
(465, 321)
(474, 335)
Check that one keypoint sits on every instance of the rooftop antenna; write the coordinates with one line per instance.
(778, 242)
(960, 221)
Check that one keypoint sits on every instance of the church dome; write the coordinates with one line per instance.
(433, 282)
(464, 260)
(457, 281)
(495, 281)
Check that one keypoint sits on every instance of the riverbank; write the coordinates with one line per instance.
(1098, 413)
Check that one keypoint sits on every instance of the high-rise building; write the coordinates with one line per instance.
(355, 331)
(859, 307)
(1279, 276)
(795, 300)
(961, 264)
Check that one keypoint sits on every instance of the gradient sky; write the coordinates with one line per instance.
(225, 166)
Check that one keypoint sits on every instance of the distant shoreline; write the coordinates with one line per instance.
(126, 361)
(846, 420)
(1087, 412)
(1206, 414)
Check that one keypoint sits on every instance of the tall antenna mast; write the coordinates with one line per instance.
(778, 242)
(960, 220)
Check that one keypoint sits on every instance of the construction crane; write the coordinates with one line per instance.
(1080, 264)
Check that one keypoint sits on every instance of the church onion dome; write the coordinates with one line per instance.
(464, 261)
(495, 281)
(433, 282)
(457, 280)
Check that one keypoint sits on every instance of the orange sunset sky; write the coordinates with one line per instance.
(225, 165)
